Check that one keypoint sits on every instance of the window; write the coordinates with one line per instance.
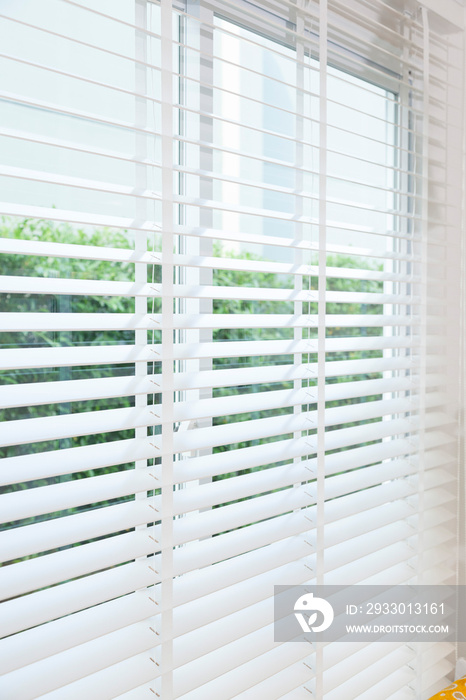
(228, 350)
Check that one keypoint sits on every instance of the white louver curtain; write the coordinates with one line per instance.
(231, 248)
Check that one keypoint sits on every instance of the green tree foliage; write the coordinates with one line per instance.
(64, 268)
(79, 268)
(273, 280)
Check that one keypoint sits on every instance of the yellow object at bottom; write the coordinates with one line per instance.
(455, 691)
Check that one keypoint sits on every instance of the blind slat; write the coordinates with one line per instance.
(86, 389)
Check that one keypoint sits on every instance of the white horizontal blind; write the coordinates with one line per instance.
(86, 184)
(227, 358)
